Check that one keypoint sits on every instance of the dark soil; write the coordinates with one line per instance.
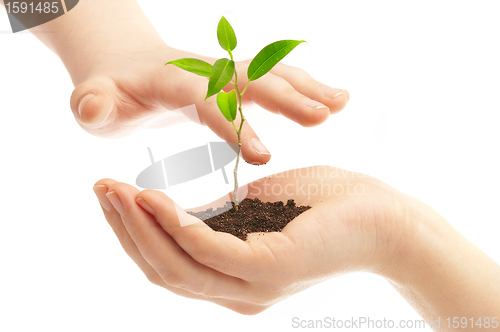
(253, 216)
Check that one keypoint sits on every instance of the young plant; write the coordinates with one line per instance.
(223, 71)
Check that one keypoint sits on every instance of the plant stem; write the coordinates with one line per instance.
(235, 192)
(238, 132)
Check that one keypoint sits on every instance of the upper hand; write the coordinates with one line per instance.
(125, 90)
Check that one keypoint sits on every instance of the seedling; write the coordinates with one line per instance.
(223, 71)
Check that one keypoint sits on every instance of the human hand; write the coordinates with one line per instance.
(128, 89)
(356, 223)
(117, 65)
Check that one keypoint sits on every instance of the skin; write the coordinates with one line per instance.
(120, 59)
(383, 231)
(360, 224)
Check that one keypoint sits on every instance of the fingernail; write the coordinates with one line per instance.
(115, 200)
(83, 102)
(314, 104)
(145, 205)
(334, 93)
(100, 191)
(347, 94)
(258, 147)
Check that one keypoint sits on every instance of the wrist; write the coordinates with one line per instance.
(424, 237)
(439, 271)
(92, 60)
(87, 36)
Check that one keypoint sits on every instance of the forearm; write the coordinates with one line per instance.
(95, 29)
(443, 275)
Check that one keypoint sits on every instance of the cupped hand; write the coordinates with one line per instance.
(356, 223)
(117, 92)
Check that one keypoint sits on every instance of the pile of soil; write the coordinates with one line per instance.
(253, 216)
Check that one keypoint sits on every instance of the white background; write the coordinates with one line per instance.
(423, 117)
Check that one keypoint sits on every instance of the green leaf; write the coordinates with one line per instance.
(225, 35)
(228, 103)
(195, 66)
(269, 56)
(222, 73)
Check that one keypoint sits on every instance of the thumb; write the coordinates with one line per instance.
(92, 102)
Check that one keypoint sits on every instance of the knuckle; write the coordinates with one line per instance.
(171, 70)
(155, 280)
(204, 257)
(248, 309)
(171, 278)
(288, 92)
(272, 292)
(243, 65)
(136, 236)
(122, 234)
(301, 72)
(204, 288)
(265, 299)
(303, 75)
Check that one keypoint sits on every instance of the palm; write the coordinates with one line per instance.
(351, 209)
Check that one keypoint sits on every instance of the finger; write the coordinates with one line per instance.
(264, 262)
(172, 263)
(101, 109)
(181, 89)
(279, 96)
(252, 149)
(300, 80)
(92, 103)
(220, 251)
(131, 249)
(115, 221)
